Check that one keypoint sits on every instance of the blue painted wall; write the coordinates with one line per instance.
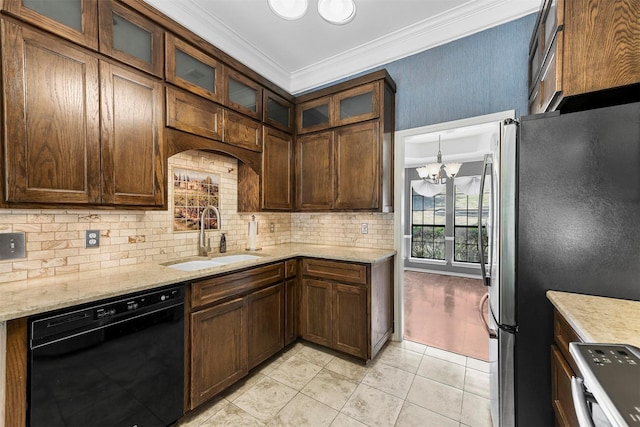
(480, 74)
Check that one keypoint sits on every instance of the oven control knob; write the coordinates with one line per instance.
(163, 297)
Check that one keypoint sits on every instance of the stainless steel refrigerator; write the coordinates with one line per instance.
(565, 215)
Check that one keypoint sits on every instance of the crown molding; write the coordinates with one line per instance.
(216, 32)
(470, 18)
(467, 19)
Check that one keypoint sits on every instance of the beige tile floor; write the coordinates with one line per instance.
(407, 384)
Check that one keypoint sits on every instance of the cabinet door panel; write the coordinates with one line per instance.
(52, 132)
(193, 70)
(190, 113)
(314, 115)
(218, 349)
(350, 319)
(75, 20)
(314, 171)
(243, 94)
(357, 104)
(561, 398)
(277, 173)
(316, 316)
(277, 111)
(131, 38)
(266, 323)
(357, 167)
(242, 131)
(132, 138)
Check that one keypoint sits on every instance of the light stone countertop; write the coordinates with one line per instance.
(600, 319)
(34, 296)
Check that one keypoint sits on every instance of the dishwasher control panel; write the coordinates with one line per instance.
(611, 372)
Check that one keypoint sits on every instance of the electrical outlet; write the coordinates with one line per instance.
(92, 239)
(364, 228)
(272, 227)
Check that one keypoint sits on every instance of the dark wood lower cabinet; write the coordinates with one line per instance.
(347, 306)
(317, 300)
(291, 311)
(350, 319)
(266, 323)
(218, 349)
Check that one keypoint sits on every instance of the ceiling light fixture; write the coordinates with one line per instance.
(438, 173)
(289, 9)
(337, 12)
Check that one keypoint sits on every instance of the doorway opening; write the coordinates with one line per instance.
(438, 279)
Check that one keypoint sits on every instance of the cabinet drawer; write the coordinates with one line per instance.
(563, 334)
(291, 268)
(235, 284)
(190, 113)
(336, 270)
(561, 398)
(242, 131)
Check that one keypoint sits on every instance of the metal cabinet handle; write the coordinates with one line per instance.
(493, 334)
(580, 403)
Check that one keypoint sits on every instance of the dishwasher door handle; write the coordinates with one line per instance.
(579, 397)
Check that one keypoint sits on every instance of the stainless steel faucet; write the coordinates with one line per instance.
(202, 249)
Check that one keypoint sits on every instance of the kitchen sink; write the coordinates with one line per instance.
(199, 264)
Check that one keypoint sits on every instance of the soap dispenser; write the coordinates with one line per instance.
(223, 244)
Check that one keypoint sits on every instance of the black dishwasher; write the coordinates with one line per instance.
(116, 362)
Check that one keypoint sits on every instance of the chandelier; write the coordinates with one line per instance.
(338, 12)
(438, 172)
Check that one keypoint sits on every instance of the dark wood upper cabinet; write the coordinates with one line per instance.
(357, 176)
(74, 20)
(315, 171)
(277, 111)
(52, 131)
(277, 170)
(314, 115)
(131, 38)
(243, 95)
(193, 70)
(357, 104)
(348, 164)
(582, 47)
(132, 138)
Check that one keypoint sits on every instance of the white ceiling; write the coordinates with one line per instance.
(303, 54)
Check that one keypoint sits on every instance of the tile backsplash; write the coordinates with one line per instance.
(55, 238)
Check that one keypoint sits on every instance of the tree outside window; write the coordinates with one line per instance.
(428, 226)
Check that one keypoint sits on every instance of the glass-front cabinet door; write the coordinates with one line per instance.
(357, 104)
(131, 38)
(314, 115)
(243, 95)
(75, 20)
(192, 69)
(278, 112)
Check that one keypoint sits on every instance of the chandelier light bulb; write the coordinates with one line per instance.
(289, 9)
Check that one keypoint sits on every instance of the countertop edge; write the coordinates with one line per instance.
(599, 319)
(139, 277)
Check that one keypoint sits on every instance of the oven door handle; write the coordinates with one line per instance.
(578, 394)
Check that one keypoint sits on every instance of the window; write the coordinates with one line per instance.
(466, 225)
(428, 226)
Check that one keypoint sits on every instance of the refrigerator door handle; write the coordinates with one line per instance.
(493, 334)
(486, 277)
